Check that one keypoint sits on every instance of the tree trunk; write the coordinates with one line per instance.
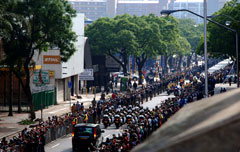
(140, 75)
(165, 68)
(140, 61)
(196, 61)
(124, 69)
(180, 63)
(125, 63)
(170, 62)
(10, 94)
(5, 91)
(189, 58)
(28, 92)
(19, 97)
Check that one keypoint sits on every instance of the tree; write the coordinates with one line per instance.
(221, 42)
(149, 40)
(48, 24)
(192, 32)
(113, 37)
(170, 32)
(183, 50)
(8, 22)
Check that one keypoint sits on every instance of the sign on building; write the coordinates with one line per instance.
(51, 59)
(87, 74)
(41, 77)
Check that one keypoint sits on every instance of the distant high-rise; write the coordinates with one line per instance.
(195, 6)
(138, 7)
(214, 5)
(94, 9)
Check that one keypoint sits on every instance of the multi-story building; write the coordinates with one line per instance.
(214, 5)
(58, 75)
(138, 7)
(94, 9)
(195, 6)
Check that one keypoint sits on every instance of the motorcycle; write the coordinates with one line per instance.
(106, 121)
(117, 121)
(129, 119)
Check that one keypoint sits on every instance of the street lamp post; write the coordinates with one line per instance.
(205, 48)
(168, 12)
(236, 35)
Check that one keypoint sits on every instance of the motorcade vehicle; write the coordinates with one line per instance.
(84, 135)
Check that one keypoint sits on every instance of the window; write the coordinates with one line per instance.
(81, 131)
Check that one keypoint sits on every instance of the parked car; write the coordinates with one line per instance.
(84, 135)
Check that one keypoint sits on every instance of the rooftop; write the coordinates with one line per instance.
(188, 1)
(138, 2)
(95, 1)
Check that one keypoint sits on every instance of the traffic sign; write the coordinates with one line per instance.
(87, 74)
(86, 78)
(69, 84)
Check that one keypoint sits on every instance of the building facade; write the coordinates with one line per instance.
(214, 5)
(61, 76)
(195, 6)
(138, 7)
(94, 9)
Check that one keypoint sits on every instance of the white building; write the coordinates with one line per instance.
(195, 6)
(60, 75)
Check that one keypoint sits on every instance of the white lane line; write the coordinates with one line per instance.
(107, 136)
(57, 110)
(55, 145)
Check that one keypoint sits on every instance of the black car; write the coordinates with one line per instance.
(85, 136)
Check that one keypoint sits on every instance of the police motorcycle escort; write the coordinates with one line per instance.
(117, 121)
(106, 121)
(129, 119)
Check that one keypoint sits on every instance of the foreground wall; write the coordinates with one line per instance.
(208, 125)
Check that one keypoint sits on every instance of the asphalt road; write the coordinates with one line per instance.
(64, 144)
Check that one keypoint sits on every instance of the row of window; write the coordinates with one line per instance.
(88, 3)
(90, 8)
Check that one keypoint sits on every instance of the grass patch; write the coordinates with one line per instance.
(26, 122)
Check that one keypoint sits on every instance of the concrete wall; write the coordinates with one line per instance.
(208, 125)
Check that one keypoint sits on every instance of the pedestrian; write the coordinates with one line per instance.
(94, 103)
(135, 85)
(42, 141)
(77, 107)
(73, 109)
(230, 81)
(94, 114)
(129, 83)
(99, 112)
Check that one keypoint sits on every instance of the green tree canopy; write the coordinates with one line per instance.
(222, 42)
(48, 24)
(191, 31)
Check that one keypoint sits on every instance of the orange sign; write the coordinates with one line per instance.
(51, 59)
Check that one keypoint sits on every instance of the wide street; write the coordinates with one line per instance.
(64, 144)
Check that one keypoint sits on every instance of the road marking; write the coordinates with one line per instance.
(57, 110)
(107, 136)
(55, 145)
(70, 138)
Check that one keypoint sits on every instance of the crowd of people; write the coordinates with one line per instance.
(189, 86)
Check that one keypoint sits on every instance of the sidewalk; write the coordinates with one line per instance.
(9, 125)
